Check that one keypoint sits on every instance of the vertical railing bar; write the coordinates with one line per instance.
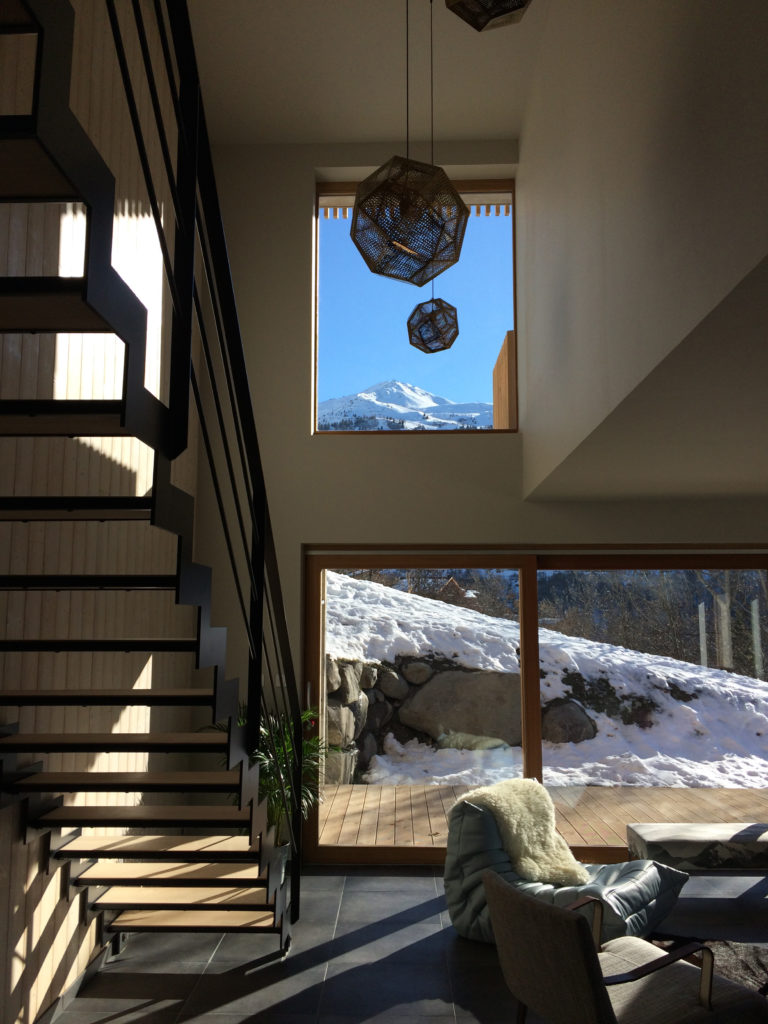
(168, 59)
(276, 595)
(222, 428)
(273, 633)
(277, 704)
(170, 170)
(262, 553)
(220, 504)
(184, 255)
(142, 150)
(217, 314)
(231, 331)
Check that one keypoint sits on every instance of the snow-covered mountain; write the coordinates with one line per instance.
(393, 405)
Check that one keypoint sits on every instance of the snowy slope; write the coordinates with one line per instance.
(393, 405)
(719, 737)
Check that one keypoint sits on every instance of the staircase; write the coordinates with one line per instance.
(188, 848)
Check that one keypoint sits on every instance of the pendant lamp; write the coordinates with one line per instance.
(408, 221)
(480, 13)
(433, 326)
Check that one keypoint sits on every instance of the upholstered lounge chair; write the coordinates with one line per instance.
(637, 895)
(552, 966)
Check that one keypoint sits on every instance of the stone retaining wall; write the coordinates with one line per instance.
(433, 700)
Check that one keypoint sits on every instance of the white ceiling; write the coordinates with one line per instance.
(334, 71)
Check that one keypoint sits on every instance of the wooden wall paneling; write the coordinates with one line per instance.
(9, 74)
(17, 239)
(16, 924)
(37, 889)
(11, 369)
(69, 365)
(9, 827)
(5, 229)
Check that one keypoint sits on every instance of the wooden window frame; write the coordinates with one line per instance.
(528, 561)
(504, 373)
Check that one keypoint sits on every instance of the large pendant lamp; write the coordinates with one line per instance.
(481, 13)
(408, 221)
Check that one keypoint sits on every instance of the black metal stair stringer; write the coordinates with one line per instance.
(174, 511)
(53, 138)
(76, 171)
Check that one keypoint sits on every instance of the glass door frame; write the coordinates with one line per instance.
(528, 562)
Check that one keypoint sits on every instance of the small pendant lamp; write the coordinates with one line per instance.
(433, 326)
(408, 221)
(480, 13)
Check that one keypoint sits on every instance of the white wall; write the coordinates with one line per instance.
(390, 489)
(642, 198)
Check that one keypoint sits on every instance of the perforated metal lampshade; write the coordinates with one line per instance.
(408, 221)
(433, 326)
(480, 13)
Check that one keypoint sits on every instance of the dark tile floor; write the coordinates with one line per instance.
(372, 945)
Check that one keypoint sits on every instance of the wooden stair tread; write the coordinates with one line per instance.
(128, 782)
(215, 741)
(27, 172)
(32, 304)
(185, 696)
(145, 644)
(208, 898)
(160, 814)
(158, 873)
(61, 417)
(194, 920)
(75, 507)
(159, 847)
(88, 581)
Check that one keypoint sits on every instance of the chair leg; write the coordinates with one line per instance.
(522, 1013)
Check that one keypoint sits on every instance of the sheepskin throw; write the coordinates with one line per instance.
(525, 816)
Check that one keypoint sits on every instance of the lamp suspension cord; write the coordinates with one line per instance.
(431, 92)
(407, 105)
(431, 112)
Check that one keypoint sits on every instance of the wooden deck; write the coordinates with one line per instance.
(587, 816)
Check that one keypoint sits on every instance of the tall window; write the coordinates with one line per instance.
(368, 376)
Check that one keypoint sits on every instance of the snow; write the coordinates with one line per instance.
(417, 408)
(719, 738)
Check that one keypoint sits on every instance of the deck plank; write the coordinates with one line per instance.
(385, 827)
(369, 820)
(336, 813)
(422, 829)
(403, 816)
(587, 816)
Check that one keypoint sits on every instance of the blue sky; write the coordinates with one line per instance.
(363, 338)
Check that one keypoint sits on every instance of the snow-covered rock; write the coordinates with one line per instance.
(659, 721)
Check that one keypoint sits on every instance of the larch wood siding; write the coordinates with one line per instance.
(44, 945)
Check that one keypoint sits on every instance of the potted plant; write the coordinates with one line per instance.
(276, 733)
(276, 761)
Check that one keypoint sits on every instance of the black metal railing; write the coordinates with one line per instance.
(207, 371)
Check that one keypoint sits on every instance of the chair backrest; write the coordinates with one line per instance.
(547, 956)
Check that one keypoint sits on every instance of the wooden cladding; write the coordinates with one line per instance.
(18, 52)
(505, 385)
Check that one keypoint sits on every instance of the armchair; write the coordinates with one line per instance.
(551, 964)
(637, 895)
